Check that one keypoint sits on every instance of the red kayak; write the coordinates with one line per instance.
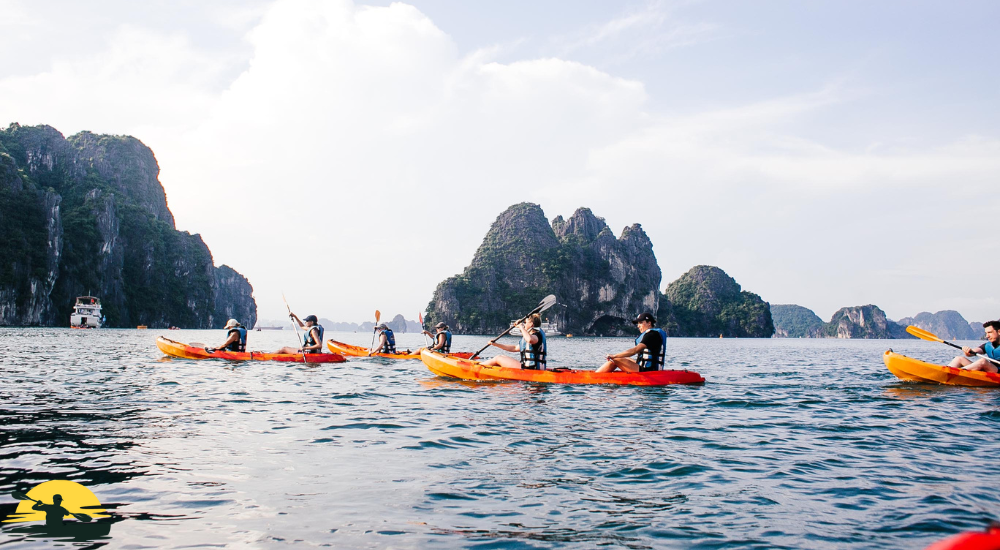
(988, 540)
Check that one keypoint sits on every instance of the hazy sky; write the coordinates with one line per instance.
(354, 154)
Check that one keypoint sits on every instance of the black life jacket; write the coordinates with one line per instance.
(390, 342)
(241, 344)
(649, 361)
(447, 342)
(308, 338)
(533, 355)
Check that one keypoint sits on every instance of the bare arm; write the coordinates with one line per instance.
(627, 353)
(505, 347)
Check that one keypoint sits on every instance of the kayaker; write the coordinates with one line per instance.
(650, 349)
(236, 338)
(532, 347)
(54, 513)
(312, 341)
(990, 349)
(386, 341)
(442, 338)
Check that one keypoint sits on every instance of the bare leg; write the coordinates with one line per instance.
(982, 365)
(959, 362)
(288, 349)
(503, 361)
(626, 365)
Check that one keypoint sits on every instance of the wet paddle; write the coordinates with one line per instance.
(378, 315)
(546, 303)
(931, 337)
(294, 327)
(420, 317)
(21, 496)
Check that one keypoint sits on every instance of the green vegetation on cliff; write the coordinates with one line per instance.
(707, 302)
(793, 321)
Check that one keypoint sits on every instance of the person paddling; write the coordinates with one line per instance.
(442, 339)
(650, 349)
(54, 513)
(236, 339)
(532, 347)
(386, 341)
(990, 349)
(313, 339)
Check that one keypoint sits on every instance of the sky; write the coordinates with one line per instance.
(352, 155)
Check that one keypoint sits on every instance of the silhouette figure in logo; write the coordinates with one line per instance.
(54, 513)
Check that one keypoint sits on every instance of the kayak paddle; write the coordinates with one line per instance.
(378, 315)
(296, 329)
(931, 337)
(546, 303)
(420, 317)
(21, 496)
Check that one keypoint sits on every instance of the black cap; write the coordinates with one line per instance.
(441, 325)
(644, 316)
(311, 318)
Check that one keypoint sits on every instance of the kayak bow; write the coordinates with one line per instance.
(442, 365)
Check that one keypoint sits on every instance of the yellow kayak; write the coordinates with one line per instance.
(914, 370)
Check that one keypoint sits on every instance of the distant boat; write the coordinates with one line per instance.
(269, 328)
(550, 329)
(142, 327)
(86, 313)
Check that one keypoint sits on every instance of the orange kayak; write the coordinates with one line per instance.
(454, 367)
(914, 370)
(358, 351)
(184, 351)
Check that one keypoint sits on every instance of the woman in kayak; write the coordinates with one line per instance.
(990, 349)
(532, 347)
(386, 341)
(236, 338)
(650, 349)
(313, 339)
(442, 339)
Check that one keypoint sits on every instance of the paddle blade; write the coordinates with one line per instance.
(378, 315)
(923, 334)
(420, 317)
(20, 496)
(82, 517)
(546, 303)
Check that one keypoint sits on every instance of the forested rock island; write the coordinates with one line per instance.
(88, 215)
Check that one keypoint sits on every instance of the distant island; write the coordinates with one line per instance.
(601, 282)
(868, 321)
(88, 215)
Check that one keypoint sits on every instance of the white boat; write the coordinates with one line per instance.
(86, 313)
(550, 329)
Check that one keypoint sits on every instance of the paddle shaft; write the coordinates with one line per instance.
(510, 328)
(22, 496)
(302, 342)
(979, 355)
(378, 315)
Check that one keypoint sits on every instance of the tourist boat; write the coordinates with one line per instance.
(550, 329)
(86, 313)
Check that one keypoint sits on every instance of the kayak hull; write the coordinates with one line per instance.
(358, 351)
(465, 369)
(914, 370)
(184, 351)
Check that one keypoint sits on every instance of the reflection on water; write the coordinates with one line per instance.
(790, 443)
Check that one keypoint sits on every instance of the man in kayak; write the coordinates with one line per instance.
(54, 513)
(650, 349)
(236, 338)
(532, 347)
(386, 341)
(442, 339)
(990, 349)
(313, 339)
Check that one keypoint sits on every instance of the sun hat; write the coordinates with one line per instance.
(311, 318)
(232, 323)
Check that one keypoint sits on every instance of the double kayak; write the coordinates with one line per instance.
(443, 365)
(358, 351)
(184, 351)
(914, 370)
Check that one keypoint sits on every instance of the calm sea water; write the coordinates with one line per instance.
(789, 444)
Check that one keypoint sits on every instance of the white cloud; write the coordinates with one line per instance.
(357, 158)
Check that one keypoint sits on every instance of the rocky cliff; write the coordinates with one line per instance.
(87, 215)
(862, 322)
(947, 324)
(793, 321)
(707, 302)
(599, 280)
